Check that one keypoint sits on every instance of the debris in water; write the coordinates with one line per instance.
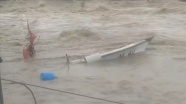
(118, 53)
(47, 76)
(28, 49)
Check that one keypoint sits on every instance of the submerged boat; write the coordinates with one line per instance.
(118, 53)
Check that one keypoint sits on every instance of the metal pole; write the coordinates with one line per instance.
(1, 91)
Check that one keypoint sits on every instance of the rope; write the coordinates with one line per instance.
(28, 89)
(63, 91)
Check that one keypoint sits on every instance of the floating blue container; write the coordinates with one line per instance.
(47, 76)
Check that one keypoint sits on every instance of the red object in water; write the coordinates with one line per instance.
(31, 36)
(28, 50)
(26, 54)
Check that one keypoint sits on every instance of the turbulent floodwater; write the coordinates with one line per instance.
(156, 76)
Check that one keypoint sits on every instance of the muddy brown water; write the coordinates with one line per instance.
(156, 76)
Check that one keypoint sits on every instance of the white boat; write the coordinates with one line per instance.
(117, 53)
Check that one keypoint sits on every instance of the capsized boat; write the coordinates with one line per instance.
(118, 53)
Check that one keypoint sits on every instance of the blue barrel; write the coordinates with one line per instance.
(47, 76)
